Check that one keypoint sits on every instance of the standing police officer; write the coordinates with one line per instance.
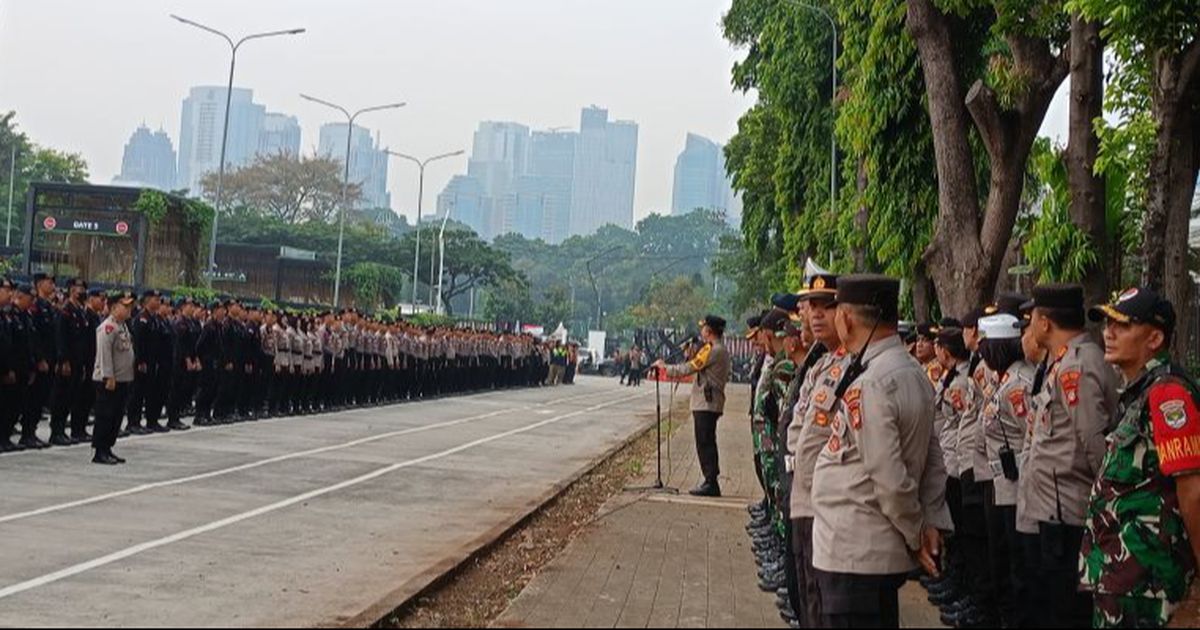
(112, 376)
(74, 338)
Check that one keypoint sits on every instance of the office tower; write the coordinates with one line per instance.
(280, 134)
(149, 160)
(604, 173)
(368, 162)
(201, 128)
(463, 198)
(701, 180)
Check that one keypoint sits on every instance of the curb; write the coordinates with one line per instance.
(440, 573)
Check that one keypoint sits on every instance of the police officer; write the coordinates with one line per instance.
(1143, 518)
(74, 337)
(212, 354)
(95, 311)
(809, 432)
(877, 490)
(113, 374)
(16, 364)
(39, 316)
(711, 367)
(1076, 408)
(185, 363)
(144, 328)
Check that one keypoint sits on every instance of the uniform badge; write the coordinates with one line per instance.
(821, 397)
(836, 371)
(108, 328)
(853, 400)
(1069, 381)
(956, 399)
(822, 419)
(1016, 398)
(1174, 413)
(835, 443)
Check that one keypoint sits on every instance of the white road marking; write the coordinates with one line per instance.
(128, 552)
(273, 460)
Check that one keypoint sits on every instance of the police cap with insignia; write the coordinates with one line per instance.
(752, 324)
(881, 292)
(717, 324)
(149, 294)
(125, 298)
(949, 336)
(1139, 306)
(822, 285)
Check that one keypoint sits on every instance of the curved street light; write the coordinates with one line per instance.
(350, 118)
(233, 48)
(421, 164)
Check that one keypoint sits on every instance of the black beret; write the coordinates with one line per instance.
(927, 330)
(150, 293)
(881, 292)
(77, 282)
(1138, 305)
(1062, 296)
(786, 301)
(950, 336)
(775, 321)
(97, 293)
(38, 278)
(25, 288)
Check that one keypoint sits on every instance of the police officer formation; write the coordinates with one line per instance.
(1030, 472)
(140, 364)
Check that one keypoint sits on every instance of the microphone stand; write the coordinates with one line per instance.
(658, 485)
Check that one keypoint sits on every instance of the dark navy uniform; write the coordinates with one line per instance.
(74, 343)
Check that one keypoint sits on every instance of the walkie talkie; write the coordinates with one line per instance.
(856, 367)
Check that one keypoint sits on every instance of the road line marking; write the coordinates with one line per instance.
(128, 552)
(274, 460)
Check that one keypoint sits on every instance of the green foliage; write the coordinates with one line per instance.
(675, 303)
(203, 295)
(1059, 250)
(33, 164)
(430, 319)
(375, 284)
(153, 204)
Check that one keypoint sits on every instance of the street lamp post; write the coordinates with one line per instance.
(442, 259)
(350, 118)
(233, 48)
(832, 98)
(421, 164)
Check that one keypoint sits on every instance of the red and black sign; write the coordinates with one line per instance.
(119, 228)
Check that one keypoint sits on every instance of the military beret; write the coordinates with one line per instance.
(38, 278)
(25, 288)
(1138, 305)
(950, 336)
(180, 302)
(1062, 296)
(151, 293)
(874, 290)
(776, 321)
(820, 285)
(97, 293)
(77, 282)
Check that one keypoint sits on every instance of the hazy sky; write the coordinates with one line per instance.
(82, 74)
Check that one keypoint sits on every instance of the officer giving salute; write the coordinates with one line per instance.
(1143, 519)
(112, 376)
(878, 493)
(711, 367)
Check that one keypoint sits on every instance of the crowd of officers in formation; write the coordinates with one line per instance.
(154, 361)
(1039, 476)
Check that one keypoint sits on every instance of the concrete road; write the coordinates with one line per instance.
(295, 522)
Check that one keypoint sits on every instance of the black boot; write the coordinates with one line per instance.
(706, 489)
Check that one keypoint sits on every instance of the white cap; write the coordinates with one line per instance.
(1002, 326)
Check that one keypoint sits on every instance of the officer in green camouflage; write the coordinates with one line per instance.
(1143, 522)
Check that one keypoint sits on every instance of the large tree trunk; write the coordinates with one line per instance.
(862, 218)
(952, 258)
(1088, 204)
(922, 295)
(1172, 182)
(967, 249)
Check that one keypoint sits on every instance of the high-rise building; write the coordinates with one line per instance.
(149, 160)
(368, 162)
(499, 154)
(542, 205)
(463, 198)
(701, 180)
(604, 173)
(201, 127)
(280, 134)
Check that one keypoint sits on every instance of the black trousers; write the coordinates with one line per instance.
(973, 539)
(39, 393)
(207, 395)
(136, 398)
(859, 601)
(706, 444)
(110, 406)
(808, 588)
(63, 400)
(182, 386)
(10, 406)
(1001, 529)
(1056, 578)
(790, 571)
(157, 394)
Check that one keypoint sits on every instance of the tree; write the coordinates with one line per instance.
(1088, 207)
(673, 303)
(1157, 50)
(470, 263)
(1027, 59)
(33, 164)
(286, 187)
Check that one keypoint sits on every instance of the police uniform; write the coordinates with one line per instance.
(16, 365)
(74, 339)
(185, 335)
(1136, 558)
(40, 320)
(112, 376)
(1075, 410)
(711, 367)
(876, 484)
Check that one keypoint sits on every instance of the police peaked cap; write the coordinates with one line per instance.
(881, 292)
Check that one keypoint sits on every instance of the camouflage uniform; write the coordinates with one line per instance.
(1136, 557)
(768, 407)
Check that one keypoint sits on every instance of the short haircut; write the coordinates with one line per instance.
(956, 347)
(868, 314)
(1065, 318)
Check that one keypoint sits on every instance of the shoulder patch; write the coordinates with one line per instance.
(956, 399)
(108, 329)
(1069, 381)
(853, 400)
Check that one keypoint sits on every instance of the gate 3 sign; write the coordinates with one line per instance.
(86, 226)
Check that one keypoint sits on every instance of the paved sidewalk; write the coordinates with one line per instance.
(672, 561)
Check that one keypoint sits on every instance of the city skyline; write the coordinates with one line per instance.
(663, 64)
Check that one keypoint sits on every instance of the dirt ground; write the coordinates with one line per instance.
(476, 593)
